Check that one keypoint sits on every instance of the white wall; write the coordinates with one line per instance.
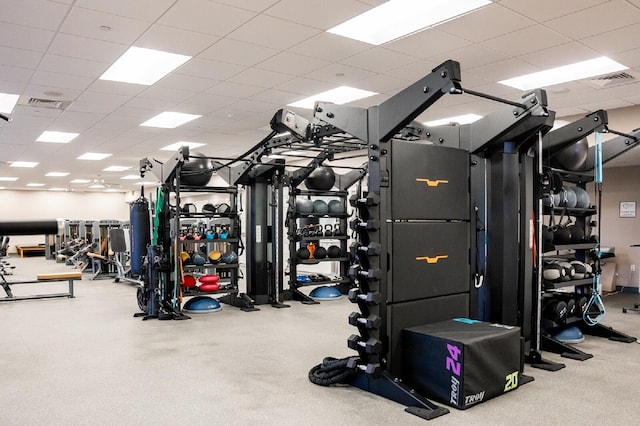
(42, 205)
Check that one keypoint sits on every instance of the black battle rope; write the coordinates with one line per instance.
(332, 371)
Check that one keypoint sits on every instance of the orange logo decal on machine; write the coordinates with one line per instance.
(433, 259)
(432, 183)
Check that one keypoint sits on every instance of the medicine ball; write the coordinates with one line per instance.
(582, 198)
(580, 269)
(188, 281)
(198, 259)
(321, 179)
(562, 235)
(573, 157)
(320, 207)
(334, 251)
(304, 205)
(320, 252)
(553, 272)
(577, 233)
(215, 256)
(230, 257)
(569, 272)
(196, 171)
(570, 197)
(208, 208)
(186, 259)
(303, 253)
(336, 207)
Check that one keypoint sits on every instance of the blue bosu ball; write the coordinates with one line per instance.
(325, 293)
(201, 305)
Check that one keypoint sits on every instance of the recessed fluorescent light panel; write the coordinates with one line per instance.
(8, 102)
(131, 177)
(398, 18)
(57, 189)
(459, 119)
(57, 174)
(571, 72)
(116, 169)
(27, 164)
(170, 120)
(95, 156)
(176, 146)
(339, 95)
(56, 137)
(143, 66)
(8, 179)
(35, 184)
(80, 181)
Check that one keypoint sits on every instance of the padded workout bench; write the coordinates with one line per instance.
(22, 250)
(42, 278)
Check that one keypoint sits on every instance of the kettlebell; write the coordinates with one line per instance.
(328, 230)
(211, 234)
(224, 233)
(336, 230)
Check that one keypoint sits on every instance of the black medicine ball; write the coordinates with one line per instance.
(321, 179)
(196, 171)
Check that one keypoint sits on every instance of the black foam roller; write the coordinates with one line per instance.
(30, 227)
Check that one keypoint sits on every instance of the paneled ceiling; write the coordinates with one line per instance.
(252, 57)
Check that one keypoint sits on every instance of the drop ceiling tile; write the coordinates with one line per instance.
(186, 82)
(72, 66)
(261, 78)
(304, 86)
(15, 74)
(11, 87)
(205, 16)
(608, 104)
(470, 57)
(275, 97)
(175, 40)
(117, 88)
(208, 103)
(502, 70)
(290, 63)
(630, 58)
(428, 43)
(317, 14)
(237, 52)
(45, 15)
(87, 23)
(165, 94)
(144, 10)
(209, 69)
(107, 102)
(254, 5)
(488, 22)
(543, 10)
(614, 41)
(526, 40)
(596, 20)
(414, 71)
(61, 80)
(379, 59)
(19, 57)
(75, 121)
(329, 47)
(383, 84)
(21, 37)
(272, 32)
(340, 74)
(250, 105)
(155, 106)
(87, 49)
(234, 90)
(559, 55)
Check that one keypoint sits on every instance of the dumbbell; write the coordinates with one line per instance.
(373, 249)
(371, 298)
(370, 274)
(369, 200)
(372, 369)
(368, 225)
(555, 310)
(372, 322)
(370, 346)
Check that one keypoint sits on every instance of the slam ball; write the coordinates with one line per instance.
(304, 205)
(320, 207)
(573, 157)
(582, 198)
(321, 179)
(196, 171)
(336, 207)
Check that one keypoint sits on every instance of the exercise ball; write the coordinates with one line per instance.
(553, 272)
(215, 256)
(336, 207)
(334, 251)
(198, 259)
(325, 293)
(582, 198)
(303, 253)
(188, 281)
(201, 305)
(580, 269)
(570, 197)
(562, 235)
(230, 257)
(320, 252)
(320, 207)
(573, 157)
(321, 179)
(304, 205)
(569, 334)
(577, 233)
(196, 171)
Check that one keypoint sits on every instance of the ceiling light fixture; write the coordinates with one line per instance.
(339, 95)
(57, 174)
(8, 102)
(459, 119)
(143, 66)
(571, 72)
(131, 177)
(35, 184)
(57, 189)
(398, 18)
(80, 181)
(176, 146)
(116, 169)
(169, 120)
(8, 179)
(27, 164)
(94, 156)
(97, 186)
(56, 137)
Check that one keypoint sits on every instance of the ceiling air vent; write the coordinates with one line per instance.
(616, 79)
(45, 103)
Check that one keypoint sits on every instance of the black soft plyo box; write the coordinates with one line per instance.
(461, 362)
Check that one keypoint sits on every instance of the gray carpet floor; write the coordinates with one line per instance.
(88, 361)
